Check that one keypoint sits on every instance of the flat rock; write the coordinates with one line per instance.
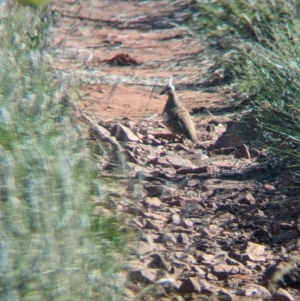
(222, 271)
(123, 133)
(175, 161)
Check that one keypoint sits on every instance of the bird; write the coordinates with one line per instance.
(176, 117)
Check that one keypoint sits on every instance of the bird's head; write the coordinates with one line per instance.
(168, 89)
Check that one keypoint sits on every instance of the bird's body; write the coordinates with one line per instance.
(176, 116)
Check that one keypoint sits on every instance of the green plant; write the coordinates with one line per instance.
(49, 248)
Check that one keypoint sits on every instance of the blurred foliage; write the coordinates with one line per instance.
(47, 248)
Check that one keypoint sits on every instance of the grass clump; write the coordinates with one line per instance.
(263, 57)
(50, 248)
(248, 19)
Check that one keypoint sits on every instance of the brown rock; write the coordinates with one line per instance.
(211, 231)
(247, 199)
(242, 152)
(198, 270)
(122, 133)
(189, 285)
(254, 249)
(211, 276)
(155, 216)
(183, 238)
(269, 187)
(207, 288)
(253, 252)
(169, 237)
(175, 161)
(239, 132)
(144, 248)
(255, 290)
(152, 202)
(160, 133)
(282, 295)
(262, 234)
(176, 219)
(222, 295)
(186, 223)
(222, 271)
(205, 258)
(158, 262)
(224, 219)
(142, 274)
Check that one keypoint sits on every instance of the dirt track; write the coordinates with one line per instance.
(203, 210)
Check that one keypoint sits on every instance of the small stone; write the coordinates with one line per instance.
(269, 187)
(247, 199)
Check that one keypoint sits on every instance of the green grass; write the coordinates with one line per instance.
(264, 59)
(51, 246)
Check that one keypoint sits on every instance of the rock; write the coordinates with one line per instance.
(203, 168)
(122, 133)
(253, 252)
(189, 285)
(198, 270)
(222, 271)
(152, 202)
(242, 152)
(247, 199)
(154, 216)
(211, 276)
(156, 225)
(222, 295)
(158, 190)
(282, 295)
(206, 258)
(125, 156)
(183, 238)
(169, 237)
(160, 133)
(262, 234)
(142, 274)
(239, 132)
(211, 231)
(158, 262)
(144, 248)
(254, 249)
(255, 290)
(269, 187)
(224, 219)
(186, 223)
(175, 161)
